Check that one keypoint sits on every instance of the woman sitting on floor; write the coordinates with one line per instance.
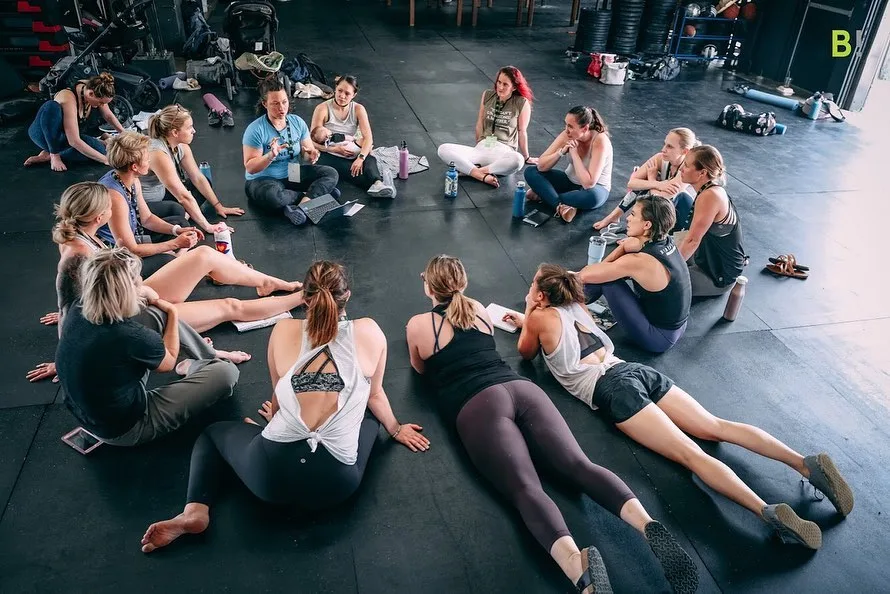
(86, 206)
(651, 410)
(343, 115)
(501, 131)
(57, 126)
(715, 234)
(174, 175)
(327, 372)
(587, 179)
(105, 356)
(501, 417)
(660, 176)
(654, 307)
(280, 161)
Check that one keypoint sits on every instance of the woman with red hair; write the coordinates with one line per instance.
(501, 131)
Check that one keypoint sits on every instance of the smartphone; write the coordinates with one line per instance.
(82, 440)
(536, 218)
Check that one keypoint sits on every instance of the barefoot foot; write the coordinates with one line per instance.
(182, 368)
(56, 163)
(43, 157)
(235, 357)
(160, 534)
(531, 196)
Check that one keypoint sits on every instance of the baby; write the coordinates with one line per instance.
(322, 135)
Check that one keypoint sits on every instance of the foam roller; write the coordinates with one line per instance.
(167, 81)
(770, 99)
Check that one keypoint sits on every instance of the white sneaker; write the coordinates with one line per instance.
(380, 188)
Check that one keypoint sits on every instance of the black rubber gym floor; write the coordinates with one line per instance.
(806, 360)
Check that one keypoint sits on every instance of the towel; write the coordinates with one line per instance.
(388, 156)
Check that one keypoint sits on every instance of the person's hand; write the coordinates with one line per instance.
(571, 147)
(600, 224)
(187, 239)
(357, 167)
(311, 153)
(43, 371)
(276, 148)
(164, 305)
(409, 436)
(266, 411)
(225, 211)
(631, 244)
(219, 228)
(516, 319)
(50, 319)
(531, 161)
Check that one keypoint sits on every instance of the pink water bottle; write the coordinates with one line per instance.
(403, 161)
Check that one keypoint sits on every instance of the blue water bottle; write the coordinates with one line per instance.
(816, 107)
(451, 182)
(204, 167)
(519, 200)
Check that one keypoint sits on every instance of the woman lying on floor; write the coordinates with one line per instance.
(86, 206)
(715, 234)
(651, 410)
(587, 180)
(107, 351)
(503, 418)
(660, 176)
(654, 307)
(501, 131)
(174, 175)
(327, 372)
(57, 125)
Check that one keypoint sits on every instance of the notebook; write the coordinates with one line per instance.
(496, 313)
(245, 326)
(601, 314)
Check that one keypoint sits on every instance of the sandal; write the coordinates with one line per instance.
(496, 183)
(595, 574)
(787, 266)
(219, 284)
(566, 213)
(782, 258)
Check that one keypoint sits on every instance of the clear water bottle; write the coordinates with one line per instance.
(451, 182)
(734, 303)
(223, 240)
(519, 200)
(204, 167)
(596, 249)
(403, 161)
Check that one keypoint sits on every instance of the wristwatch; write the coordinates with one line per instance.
(362, 157)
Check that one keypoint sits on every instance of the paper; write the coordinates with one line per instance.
(601, 314)
(353, 209)
(496, 313)
(245, 326)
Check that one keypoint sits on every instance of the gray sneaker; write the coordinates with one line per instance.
(791, 528)
(295, 215)
(825, 476)
(383, 188)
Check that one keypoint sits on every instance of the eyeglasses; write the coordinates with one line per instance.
(423, 277)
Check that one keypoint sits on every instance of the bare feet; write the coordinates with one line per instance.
(482, 174)
(42, 157)
(531, 196)
(55, 162)
(194, 520)
(236, 357)
(274, 284)
(491, 179)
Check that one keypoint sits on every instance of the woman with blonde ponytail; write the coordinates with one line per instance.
(327, 372)
(501, 416)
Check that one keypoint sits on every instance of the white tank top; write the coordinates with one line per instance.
(348, 125)
(579, 379)
(605, 178)
(339, 433)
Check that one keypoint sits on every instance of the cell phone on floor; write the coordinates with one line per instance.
(82, 440)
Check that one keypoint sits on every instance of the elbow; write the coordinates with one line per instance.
(167, 364)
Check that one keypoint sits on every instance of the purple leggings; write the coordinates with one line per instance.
(506, 425)
(627, 311)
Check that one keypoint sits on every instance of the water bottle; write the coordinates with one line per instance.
(734, 303)
(596, 249)
(816, 107)
(451, 182)
(519, 200)
(403, 161)
(223, 241)
(204, 167)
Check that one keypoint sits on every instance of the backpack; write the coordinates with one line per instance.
(303, 69)
(828, 108)
(660, 68)
(733, 117)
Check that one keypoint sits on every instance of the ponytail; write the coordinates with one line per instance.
(589, 116)
(326, 292)
(559, 285)
(65, 230)
(80, 204)
(461, 313)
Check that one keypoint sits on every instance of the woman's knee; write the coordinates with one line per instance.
(232, 309)
(222, 376)
(712, 429)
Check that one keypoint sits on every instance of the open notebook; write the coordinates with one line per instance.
(496, 313)
(245, 326)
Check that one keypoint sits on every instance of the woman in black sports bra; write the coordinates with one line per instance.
(57, 128)
(715, 234)
(501, 416)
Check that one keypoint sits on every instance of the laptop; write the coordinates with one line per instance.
(325, 208)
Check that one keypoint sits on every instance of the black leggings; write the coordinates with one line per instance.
(506, 425)
(370, 171)
(277, 473)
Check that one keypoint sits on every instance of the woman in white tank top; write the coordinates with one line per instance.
(327, 371)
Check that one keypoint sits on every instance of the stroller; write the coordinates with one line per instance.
(251, 26)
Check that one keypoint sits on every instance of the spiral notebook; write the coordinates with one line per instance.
(496, 313)
(256, 324)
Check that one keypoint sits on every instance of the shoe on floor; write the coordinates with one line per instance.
(593, 573)
(213, 119)
(679, 569)
(388, 182)
(825, 476)
(791, 528)
(295, 215)
(336, 193)
(228, 121)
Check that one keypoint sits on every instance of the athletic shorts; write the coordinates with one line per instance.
(625, 389)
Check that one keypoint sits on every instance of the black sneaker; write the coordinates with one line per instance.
(228, 121)
(213, 118)
(295, 215)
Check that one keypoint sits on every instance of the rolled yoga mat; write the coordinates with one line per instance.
(770, 99)
(214, 104)
(167, 81)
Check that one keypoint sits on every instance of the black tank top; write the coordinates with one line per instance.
(720, 254)
(669, 307)
(465, 366)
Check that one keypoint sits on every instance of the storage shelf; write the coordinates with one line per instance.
(712, 37)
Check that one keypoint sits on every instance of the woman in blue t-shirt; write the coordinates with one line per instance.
(279, 158)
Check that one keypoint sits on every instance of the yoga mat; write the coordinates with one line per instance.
(776, 100)
(167, 81)
(214, 104)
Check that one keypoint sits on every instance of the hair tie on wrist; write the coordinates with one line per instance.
(397, 432)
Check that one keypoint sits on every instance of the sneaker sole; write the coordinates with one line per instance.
(597, 568)
(807, 533)
(384, 193)
(843, 495)
(679, 569)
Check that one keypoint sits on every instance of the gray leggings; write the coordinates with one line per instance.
(504, 427)
(274, 194)
(169, 407)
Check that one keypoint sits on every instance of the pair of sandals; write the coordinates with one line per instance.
(613, 233)
(566, 213)
(786, 265)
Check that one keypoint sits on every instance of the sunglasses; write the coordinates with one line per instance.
(423, 277)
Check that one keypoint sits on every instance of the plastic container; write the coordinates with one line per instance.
(734, 303)
(596, 249)
(204, 167)
(223, 241)
(519, 200)
(451, 182)
(403, 161)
